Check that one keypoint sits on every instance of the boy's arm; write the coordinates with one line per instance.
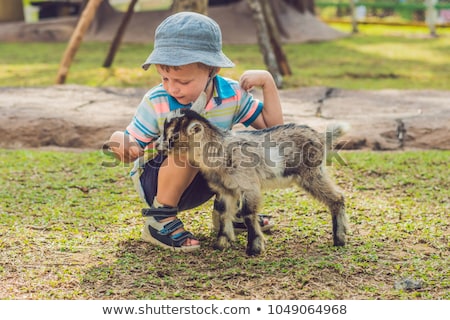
(124, 147)
(271, 115)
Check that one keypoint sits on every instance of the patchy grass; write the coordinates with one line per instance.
(377, 58)
(70, 229)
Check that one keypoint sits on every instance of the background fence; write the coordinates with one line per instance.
(400, 11)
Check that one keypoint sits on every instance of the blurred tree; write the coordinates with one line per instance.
(119, 35)
(11, 11)
(268, 32)
(302, 5)
(200, 6)
(264, 40)
(86, 18)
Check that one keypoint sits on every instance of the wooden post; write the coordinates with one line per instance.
(119, 35)
(83, 24)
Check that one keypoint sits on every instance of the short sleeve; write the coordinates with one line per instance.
(144, 125)
(249, 108)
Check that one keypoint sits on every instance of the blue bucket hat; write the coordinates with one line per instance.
(188, 37)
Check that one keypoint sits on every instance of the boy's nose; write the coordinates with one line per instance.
(172, 89)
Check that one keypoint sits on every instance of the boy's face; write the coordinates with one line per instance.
(185, 83)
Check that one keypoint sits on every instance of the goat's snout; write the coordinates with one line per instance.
(161, 145)
(170, 143)
(164, 144)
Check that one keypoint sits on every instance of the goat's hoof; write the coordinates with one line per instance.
(255, 249)
(217, 247)
(251, 252)
(338, 242)
(221, 244)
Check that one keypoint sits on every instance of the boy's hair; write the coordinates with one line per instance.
(168, 68)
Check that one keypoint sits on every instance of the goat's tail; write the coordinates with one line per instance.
(337, 130)
(333, 132)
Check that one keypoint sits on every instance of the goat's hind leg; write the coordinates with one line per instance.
(319, 185)
(225, 208)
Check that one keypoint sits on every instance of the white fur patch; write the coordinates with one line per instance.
(276, 161)
(174, 114)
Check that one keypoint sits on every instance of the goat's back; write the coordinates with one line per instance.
(275, 152)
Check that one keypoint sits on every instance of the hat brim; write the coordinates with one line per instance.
(181, 57)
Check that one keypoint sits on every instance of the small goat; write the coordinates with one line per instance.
(238, 165)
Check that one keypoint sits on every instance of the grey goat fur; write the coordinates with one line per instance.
(238, 165)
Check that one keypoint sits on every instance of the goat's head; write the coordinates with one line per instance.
(183, 131)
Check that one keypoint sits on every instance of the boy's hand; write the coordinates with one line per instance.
(271, 114)
(255, 78)
(124, 147)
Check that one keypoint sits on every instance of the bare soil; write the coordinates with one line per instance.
(80, 117)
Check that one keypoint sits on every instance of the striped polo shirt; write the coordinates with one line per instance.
(230, 105)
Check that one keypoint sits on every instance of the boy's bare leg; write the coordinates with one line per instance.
(175, 175)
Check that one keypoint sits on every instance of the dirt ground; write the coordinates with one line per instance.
(80, 117)
(84, 117)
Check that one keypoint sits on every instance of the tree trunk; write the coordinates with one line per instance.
(200, 6)
(278, 10)
(302, 5)
(275, 38)
(11, 11)
(83, 24)
(264, 41)
(115, 44)
(310, 6)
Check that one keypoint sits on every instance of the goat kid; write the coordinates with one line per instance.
(238, 165)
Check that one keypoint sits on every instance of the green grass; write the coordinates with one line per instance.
(379, 57)
(70, 229)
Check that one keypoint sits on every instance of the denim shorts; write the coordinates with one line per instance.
(197, 193)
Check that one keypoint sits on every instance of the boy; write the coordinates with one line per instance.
(188, 56)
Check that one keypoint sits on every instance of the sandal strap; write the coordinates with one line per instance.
(180, 238)
(160, 213)
(164, 235)
(171, 227)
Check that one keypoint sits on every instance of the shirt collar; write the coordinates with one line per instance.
(174, 104)
(222, 90)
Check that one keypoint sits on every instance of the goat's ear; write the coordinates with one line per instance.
(194, 128)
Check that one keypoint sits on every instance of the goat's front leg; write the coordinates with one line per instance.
(255, 237)
(225, 208)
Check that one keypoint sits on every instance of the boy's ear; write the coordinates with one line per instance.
(194, 128)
